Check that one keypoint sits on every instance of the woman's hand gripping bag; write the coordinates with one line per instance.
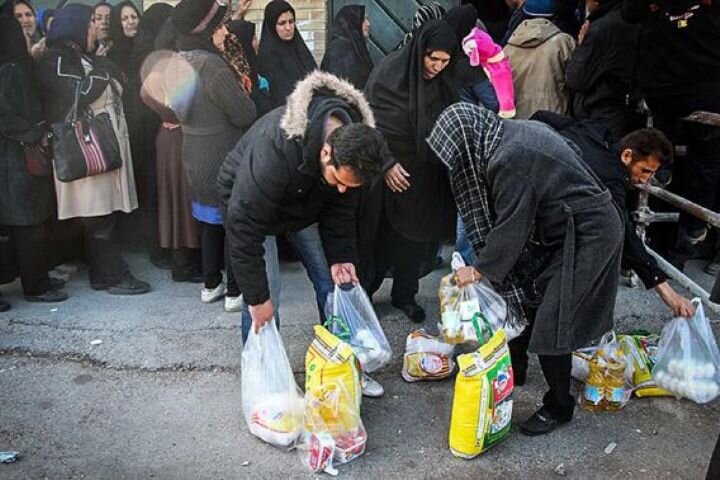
(330, 360)
(688, 359)
(351, 317)
(482, 404)
(272, 403)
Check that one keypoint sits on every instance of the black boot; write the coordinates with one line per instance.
(4, 306)
(412, 310)
(542, 422)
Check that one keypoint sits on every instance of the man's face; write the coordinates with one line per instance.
(26, 17)
(342, 177)
(102, 21)
(434, 62)
(642, 169)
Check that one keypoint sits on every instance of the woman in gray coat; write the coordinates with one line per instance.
(213, 117)
(535, 211)
(25, 200)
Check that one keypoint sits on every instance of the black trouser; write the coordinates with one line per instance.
(27, 244)
(213, 258)
(404, 256)
(102, 252)
(714, 469)
(696, 174)
(185, 261)
(556, 369)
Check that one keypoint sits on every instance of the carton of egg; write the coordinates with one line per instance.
(689, 379)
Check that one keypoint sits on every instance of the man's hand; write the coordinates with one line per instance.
(397, 179)
(680, 306)
(241, 10)
(467, 275)
(343, 273)
(261, 314)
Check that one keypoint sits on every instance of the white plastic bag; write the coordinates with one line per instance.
(272, 403)
(333, 430)
(351, 317)
(473, 313)
(427, 358)
(688, 358)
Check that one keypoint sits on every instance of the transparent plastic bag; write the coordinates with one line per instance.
(472, 313)
(332, 429)
(272, 403)
(688, 359)
(351, 317)
(427, 358)
(609, 382)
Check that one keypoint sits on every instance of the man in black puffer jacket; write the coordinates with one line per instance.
(295, 172)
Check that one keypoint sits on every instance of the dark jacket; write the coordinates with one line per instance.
(270, 184)
(57, 74)
(680, 45)
(599, 73)
(24, 199)
(603, 158)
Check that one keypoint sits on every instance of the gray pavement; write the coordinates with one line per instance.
(160, 397)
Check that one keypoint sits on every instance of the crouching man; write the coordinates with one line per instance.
(536, 217)
(295, 172)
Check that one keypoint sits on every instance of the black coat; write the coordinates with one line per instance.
(603, 158)
(599, 74)
(24, 199)
(268, 188)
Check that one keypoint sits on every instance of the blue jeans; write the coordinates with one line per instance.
(308, 245)
(462, 244)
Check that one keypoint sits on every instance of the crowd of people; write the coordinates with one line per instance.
(518, 138)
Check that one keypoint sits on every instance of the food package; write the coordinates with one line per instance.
(333, 430)
(643, 349)
(474, 312)
(351, 317)
(688, 362)
(330, 360)
(609, 381)
(581, 363)
(482, 403)
(426, 358)
(271, 400)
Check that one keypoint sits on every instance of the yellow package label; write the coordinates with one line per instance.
(482, 404)
(330, 360)
(642, 349)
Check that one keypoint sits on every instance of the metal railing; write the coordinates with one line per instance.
(644, 216)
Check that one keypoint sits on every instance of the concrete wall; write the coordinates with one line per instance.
(311, 16)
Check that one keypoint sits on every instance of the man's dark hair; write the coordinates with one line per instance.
(359, 147)
(648, 141)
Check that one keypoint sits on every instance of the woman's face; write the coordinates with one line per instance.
(218, 38)
(366, 27)
(26, 17)
(434, 62)
(92, 36)
(285, 26)
(129, 21)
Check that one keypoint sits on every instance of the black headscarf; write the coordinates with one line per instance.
(405, 104)
(13, 48)
(463, 19)
(347, 55)
(195, 22)
(282, 63)
(122, 49)
(153, 20)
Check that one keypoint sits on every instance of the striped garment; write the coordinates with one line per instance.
(431, 11)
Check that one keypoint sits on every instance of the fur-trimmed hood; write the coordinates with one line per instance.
(294, 122)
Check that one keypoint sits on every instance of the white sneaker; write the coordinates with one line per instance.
(208, 295)
(233, 304)
(370, 387)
